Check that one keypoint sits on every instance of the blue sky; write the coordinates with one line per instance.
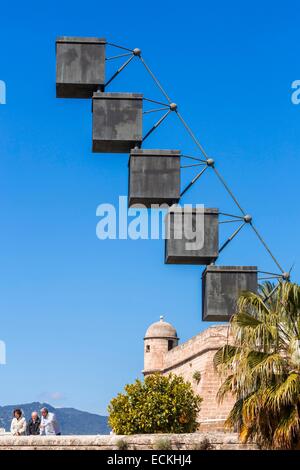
(74, 309)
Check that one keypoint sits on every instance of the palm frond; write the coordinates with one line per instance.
(243, 320)
(226, 388)
(261, 366)
(224, 355)
(285, 393)
(287, 431)
(264, 365)
(252, 302)
(234, 418)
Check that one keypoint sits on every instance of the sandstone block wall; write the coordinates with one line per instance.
(197, 354)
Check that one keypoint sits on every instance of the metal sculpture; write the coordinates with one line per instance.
(154, 174)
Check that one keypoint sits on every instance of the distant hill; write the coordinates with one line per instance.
(72, 421)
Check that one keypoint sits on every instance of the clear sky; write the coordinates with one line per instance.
(74, 309)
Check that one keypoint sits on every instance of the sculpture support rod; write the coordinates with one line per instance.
(119, 47)
(229, 191)
(272, 291)
(193, 181)
(119, 70)
(192, 135)
(232, 236)
(266, 247)
(156, 125)
(155, 110)
(155, 79)
(193, 164)
(118, 56)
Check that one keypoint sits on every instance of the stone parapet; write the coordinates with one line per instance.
(193, 441)
(210, 339)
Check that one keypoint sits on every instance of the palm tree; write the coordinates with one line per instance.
(260, 365)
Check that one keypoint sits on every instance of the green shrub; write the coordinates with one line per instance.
(205, 444)
(122, 444)
(160, 404)
(197, 376)
(162, 444)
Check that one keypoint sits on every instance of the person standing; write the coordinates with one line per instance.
(49, 425)
(33, 425)
(18, 424)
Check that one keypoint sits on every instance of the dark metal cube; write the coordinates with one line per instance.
(181, 226)
(117, 122)
(80, 66)
(154, 177)
(221, 287)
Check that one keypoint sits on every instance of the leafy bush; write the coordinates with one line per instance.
(197, 376)
(122, 444)
(205, 444)
(160, 404)
(163, 444)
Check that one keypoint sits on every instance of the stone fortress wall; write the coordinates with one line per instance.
(163, 354)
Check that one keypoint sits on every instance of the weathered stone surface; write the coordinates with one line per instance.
(218, 441)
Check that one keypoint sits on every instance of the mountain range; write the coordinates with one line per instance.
(72, 421)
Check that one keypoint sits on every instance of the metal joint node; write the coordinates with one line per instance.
(210, 162)
(173, 106)
(137, 52)
(248, 218)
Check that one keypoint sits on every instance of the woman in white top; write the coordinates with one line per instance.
(18, 424)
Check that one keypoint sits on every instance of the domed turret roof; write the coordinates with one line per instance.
(161, 329)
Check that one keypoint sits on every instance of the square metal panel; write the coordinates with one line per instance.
(192, 236)
(221, 287)
(154, 177)
(80, 66)
(117, 122)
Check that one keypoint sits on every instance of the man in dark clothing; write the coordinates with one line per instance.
(33, 425)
